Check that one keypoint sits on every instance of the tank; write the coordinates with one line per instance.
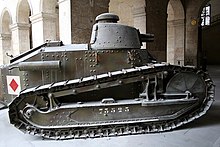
(108, 87)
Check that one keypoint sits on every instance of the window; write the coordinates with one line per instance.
(205, 15)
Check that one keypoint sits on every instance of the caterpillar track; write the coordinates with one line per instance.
(188, 95)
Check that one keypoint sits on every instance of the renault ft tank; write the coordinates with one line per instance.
(108, 87)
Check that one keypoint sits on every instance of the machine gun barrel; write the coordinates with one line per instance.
(147, 37)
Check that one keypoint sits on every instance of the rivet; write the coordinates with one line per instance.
(74, 91)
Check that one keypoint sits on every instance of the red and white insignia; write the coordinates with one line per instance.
(13, 84)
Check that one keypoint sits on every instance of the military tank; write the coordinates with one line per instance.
(108, 87)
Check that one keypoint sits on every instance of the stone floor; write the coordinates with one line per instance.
(204, 132)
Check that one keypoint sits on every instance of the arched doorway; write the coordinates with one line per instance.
(5, 37)
(24, 13)
(21, 29)
(175, 32)
(45, 22)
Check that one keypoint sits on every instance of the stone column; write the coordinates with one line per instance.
(5, 47)
(192, 32)
(170, 42)
(43, 27)
(65, 21)
(175, 45)
(191, 51)
(179, 42)
(139, 14)
(20, 38)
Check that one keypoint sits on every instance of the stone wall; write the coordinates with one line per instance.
(83, 13)
(123, 8)
(149, 16)
(76, 18)
(210, 36)
(157, 23)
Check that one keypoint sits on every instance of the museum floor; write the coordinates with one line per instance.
(204, 132)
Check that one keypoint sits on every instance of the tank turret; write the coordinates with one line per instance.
(108, 34)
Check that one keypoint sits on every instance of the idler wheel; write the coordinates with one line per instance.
(187, 82)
